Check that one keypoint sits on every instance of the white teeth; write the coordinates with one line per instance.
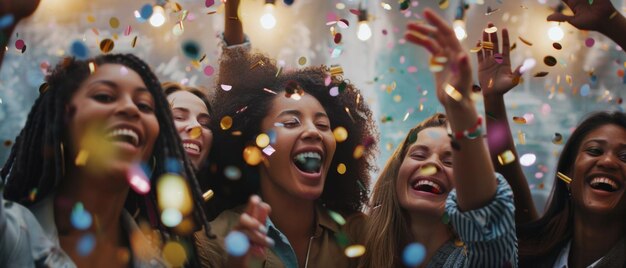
(427, 182)
(192, 146)
(608, 181)
(302, 156)
(125, 132)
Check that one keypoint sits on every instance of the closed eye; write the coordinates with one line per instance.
(104, 98)
(594, 151)
(146, 108)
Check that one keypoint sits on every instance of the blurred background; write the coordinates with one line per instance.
(393, 76)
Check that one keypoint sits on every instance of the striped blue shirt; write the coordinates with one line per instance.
(487, 233)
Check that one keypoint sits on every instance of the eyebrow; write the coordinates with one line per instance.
(298, 113)
(602, 142)
(115, 85)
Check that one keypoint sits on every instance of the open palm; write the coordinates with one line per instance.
(494, 68)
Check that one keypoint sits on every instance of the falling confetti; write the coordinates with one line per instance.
(174, 253)
(557, 138)
(589, 42)
(79, 50)
(236, 243)
(506, 157)
(252, 155)
(413, 254)
(226, 87)
(80, 218)
(262, 140)
(86, 244)
(354, 251)
(340, 133)
(337, 217)
(107, 45)
(341, 168)
(549, 60)
(232, 173)
(209, 70)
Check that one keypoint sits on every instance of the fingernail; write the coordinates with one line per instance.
(262, 229)
(270, 241)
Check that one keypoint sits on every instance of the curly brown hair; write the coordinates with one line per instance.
(248, 102)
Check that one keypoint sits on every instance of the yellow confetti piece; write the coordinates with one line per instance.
(134, 43)
(564, 177)
(208, 195)
(557, 139)
(32, 195)
(397, 98)
(358, 151)
(195, 132)
(506, 157)
(114, 22)
(520, 120)
(81, 158)
(354, 251)
(340, 133)
(443, 4)
(226, 122)
(262, 140)
(302, 61)
(91, 19)
(459, 243)
(427, 170)
(525, 41)
(521, 137)
(341, 168)
(92, 67)
(491, 29)
(252, 155)
(487, 45)
(453, 93)
(175, 254)
(258, 63)
(476, 49)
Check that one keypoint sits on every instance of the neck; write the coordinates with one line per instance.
(594, 236)
(105, 204)
(293, 216)
(429, 231)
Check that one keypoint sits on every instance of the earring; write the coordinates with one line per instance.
(62, 159)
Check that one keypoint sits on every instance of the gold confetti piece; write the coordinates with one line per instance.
(491, 29)
(557, 139)
(521, 137)
(459, 243)
(269, 91)
(302, 61)
(541, 74)
(32, 195)
(174, 253)
(195, 132)
(256, 64)
(506, 157)
(336, 70)
(525, 41)
(262, 140)
(106, 45)
(443, 4)
(81, 158)
(280, 70)
(354, 251)
(397, 98)
(513, 46)
(252, 155)
(487, 45)
(207, 195)
(202, 58)
(114, 22)
(134, 43)
(568, 79)
(226, 122)
(91, 19)
(564, 177)
(92, 67)
(476, 49)
(176, 7)
(341, 168)
(340, 133)
(358, 151)
(520, 120)
(427, 170)
(453, 93)
(549, 60)
(613, 15)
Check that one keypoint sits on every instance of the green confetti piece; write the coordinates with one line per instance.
(342, 239)
(337, 217)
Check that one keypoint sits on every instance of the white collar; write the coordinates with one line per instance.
(562, 259)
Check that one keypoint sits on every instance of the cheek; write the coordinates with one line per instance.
(180, 126)
(153, 130)
(208, 137)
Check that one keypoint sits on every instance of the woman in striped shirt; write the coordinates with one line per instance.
(438, 191)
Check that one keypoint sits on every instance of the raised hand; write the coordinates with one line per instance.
(447, 55)
(252, 224)
(494, 67)
(587, 16)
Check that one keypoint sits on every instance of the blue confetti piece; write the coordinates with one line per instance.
(172, 165)
(272, 135)
(237, 244)
(81, 219)
(6, 21)
(584, 90)
(288, 2)
(414, 254)
(86, 244)
(191, 50)
(146, 11)
(79, 50)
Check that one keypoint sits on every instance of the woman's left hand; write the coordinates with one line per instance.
(449, 62)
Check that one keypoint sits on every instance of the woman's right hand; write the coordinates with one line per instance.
(586, 16)
(252, 224)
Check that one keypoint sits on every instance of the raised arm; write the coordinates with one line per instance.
(233, 28)
(496, 79)
(474, 175)
(19, 9)
(598, 15)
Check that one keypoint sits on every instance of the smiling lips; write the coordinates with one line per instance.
(192, 147)
(604, 184)
(427, 185)
(124, 135)
(308, 162)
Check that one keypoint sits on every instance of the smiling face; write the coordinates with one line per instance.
(191, 118)
(599, 174)
(111, 120)
(425, 175)
(304, 146)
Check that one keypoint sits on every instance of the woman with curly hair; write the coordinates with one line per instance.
(438, 189)
(276, 140)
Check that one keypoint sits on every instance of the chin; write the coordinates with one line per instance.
(310, 194)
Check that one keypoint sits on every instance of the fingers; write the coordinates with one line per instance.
(426, 42)
(494, 39)
(445, 31)
(506, 44)
(487, 51)
(557, 16)
(479, 54)
(254, 230)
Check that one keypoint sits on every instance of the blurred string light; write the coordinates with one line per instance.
(459, 21)
(555, 33)
(268, 21)
(364, 31)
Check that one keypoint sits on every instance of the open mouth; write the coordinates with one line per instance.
(191, 147)
(124, 135)
(604, 184)
(308, 162)
(424, 185)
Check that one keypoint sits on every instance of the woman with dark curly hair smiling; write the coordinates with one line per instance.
(306, 151)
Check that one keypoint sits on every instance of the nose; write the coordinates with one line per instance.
(608, 161)
(311, 133)
(434, 161)
(127, 108)
(193, 124)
